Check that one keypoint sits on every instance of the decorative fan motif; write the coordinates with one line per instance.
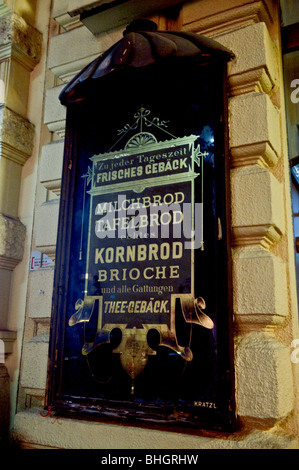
(140, 140)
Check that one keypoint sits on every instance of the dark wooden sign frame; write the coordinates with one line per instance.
(184, 376)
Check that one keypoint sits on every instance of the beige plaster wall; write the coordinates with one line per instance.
(264, 289)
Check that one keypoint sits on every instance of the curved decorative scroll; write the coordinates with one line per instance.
(134, 348)
(192, 311)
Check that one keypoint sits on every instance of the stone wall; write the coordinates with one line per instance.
(264, 288)
(20, 52)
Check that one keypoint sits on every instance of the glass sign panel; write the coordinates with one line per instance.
(140, 246)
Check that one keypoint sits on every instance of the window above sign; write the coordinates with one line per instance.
(100, 16)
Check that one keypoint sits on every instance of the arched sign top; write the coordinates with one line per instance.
(143, 45)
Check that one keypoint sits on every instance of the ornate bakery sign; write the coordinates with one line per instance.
(141, 305)
(144, 224)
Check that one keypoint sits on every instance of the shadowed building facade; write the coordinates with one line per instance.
(49, 53)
